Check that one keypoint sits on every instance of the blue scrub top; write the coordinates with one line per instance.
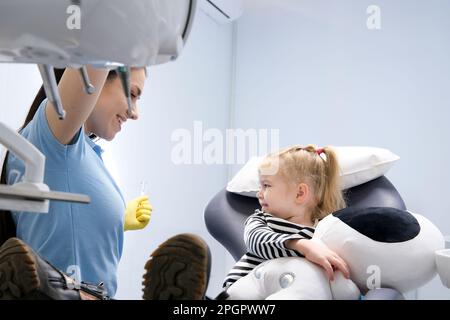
(83, 240)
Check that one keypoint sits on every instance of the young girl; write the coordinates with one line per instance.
(299, 187)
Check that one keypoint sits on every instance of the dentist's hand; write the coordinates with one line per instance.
(137, 213)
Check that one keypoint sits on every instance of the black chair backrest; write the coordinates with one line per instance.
(226, 213)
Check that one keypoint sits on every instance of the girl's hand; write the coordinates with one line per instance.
(320, 254)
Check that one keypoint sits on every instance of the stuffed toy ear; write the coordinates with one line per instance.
(343, 289)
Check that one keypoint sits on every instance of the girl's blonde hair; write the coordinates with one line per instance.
(307, 164)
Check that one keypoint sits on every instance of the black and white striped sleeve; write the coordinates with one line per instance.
(266, 243)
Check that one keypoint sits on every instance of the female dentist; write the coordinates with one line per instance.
(79, 239)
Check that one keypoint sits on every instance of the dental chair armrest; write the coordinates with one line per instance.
(383, 294)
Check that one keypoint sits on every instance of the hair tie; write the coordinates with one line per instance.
(320, 151)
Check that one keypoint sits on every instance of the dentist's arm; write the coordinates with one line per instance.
(77, 104)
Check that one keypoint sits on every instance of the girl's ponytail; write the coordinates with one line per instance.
(331, 196)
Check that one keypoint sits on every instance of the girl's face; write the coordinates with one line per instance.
(276, 196)
(111, 110)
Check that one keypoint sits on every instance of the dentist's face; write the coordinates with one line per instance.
(110, 112)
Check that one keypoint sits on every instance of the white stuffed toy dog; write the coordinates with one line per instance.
(383, 247)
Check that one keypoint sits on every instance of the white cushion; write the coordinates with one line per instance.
(358, 165)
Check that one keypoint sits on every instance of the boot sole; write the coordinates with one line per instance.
(18, 270)
(178, 270)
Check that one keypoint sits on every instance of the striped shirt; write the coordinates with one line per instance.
(264, 237)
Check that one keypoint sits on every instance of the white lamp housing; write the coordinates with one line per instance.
(72, 33)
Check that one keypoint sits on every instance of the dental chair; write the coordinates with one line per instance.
(226, 213)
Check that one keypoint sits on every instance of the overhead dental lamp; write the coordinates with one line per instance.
(112, 34)
(103, 33)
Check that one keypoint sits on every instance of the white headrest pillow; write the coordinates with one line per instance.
(358, 165)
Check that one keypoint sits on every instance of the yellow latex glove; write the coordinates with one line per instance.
(137, 213)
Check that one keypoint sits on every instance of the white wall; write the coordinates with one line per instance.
(19, 84)
(314, 70)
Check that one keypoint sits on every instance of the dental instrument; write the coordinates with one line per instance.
(144, 185)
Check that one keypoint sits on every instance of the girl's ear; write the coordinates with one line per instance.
(302, 192)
